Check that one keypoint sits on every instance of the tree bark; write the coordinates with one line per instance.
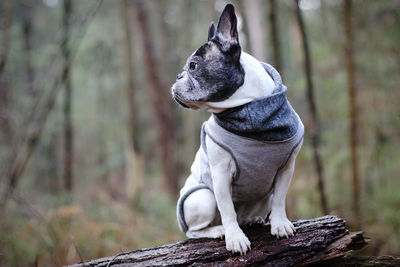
(274, 31)
(316, 240)
(352, 91)
(315, 136)
(360, 261)
(164, 115)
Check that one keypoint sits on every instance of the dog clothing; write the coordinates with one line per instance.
(260, 136)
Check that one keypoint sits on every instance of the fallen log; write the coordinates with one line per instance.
(361, 261)
(316, 240)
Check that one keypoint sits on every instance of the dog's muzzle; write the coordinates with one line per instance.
(179, 101)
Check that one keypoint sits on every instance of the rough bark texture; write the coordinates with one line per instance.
(316, 240)
(314, 129)
(352, 109)
(364, 261)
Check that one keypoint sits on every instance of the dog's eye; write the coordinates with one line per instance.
(192, 66)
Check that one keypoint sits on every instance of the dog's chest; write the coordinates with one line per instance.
(257, 162)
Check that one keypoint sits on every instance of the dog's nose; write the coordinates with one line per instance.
(179, 76)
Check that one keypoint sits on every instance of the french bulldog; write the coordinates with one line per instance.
(244, 166)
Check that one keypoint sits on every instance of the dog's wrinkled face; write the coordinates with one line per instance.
(213, 73)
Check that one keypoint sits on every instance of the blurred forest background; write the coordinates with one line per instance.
(93, 150)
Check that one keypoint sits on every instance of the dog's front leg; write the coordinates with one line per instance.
(222, 169)
(280, 225)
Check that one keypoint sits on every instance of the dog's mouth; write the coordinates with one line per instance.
(180, 101)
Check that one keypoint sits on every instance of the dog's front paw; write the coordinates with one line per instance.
(237, 241)
(282, 227)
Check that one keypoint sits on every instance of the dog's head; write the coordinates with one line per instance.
(213, 72)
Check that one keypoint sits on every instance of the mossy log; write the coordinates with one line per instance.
(317, 240)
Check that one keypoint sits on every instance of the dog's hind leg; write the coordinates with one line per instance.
(212, 232)
(200, 209)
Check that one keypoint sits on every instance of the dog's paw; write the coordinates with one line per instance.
(282, 227)
(217, 231)
(237, 241)
(253, 221)
(209, 232)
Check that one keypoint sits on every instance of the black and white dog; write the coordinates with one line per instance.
(245, 164)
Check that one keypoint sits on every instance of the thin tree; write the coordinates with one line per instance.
(159, 92)
(5, 25)
(274, 33)
(27, 25)
(101, 100)
(5, 20)
(6, 135)
(165, 35)
(134, 174)
(188, 119)
(252, 10)
(66, 80)
(352, 91)
(315, 136)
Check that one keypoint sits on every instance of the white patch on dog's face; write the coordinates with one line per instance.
(213, 50)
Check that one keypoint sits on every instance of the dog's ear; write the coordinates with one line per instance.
(211, 31)
(227, 34)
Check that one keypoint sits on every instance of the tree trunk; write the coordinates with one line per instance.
(5, 20)
(359, 261)
(164, 115)
(165, 36)
(315, 136)
(352, 91)
(5, 24)
(27, 39)
(101, 101)
(316, 240)
(66, 80)
(274, 31)
(252, 9)
(134, 173)
(188, 119)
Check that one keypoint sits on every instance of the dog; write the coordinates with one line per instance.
(244, 166)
